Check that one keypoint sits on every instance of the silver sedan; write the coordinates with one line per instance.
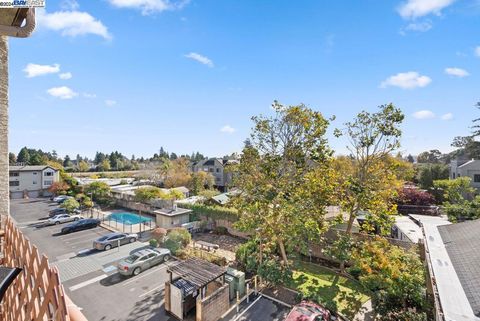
(111, 240)
(63, 218)
(142, 260)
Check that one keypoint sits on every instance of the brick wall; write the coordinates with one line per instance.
(212, 307)
(4, 178)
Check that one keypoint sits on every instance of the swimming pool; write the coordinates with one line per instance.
(128, 218)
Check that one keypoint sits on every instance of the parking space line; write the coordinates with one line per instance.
(152, 290)
(144, 275)
(251, 305)
(79, 242)
(88, 282)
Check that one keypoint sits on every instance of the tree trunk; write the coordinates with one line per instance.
(4, 177)
(351, 220)
(282, 252)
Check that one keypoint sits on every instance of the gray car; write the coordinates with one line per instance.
(108, 241)
(142, 260)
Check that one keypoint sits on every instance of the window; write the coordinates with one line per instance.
(476, 178)
(48, 173)
(34, 182)
(210, 169)
(218, 170)
(47, 183)
(453, 175)
(35, 173)
(14, 183)
(14, 174)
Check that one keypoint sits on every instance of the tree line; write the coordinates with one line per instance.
(113, 161)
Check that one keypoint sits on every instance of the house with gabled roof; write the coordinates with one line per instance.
(31, 180)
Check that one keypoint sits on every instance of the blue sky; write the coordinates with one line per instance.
(188, 75)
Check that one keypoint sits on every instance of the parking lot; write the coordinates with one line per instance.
(90, 277)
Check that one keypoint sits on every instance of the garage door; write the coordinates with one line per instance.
(33, 194)
(16, 195)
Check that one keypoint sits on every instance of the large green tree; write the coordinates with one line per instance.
(283, 176)
(99, 191)
(395, 276)
(369, 178)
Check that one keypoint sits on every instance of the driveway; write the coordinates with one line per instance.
(90, 277)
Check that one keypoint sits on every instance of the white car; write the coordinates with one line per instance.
(63, 218)
(60, 198)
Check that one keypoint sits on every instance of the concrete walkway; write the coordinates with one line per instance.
(365, 313)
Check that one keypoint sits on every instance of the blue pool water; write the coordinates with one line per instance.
(128, 218)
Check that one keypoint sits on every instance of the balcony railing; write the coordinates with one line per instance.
(36, 294)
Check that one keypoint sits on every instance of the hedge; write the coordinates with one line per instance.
(214, 212)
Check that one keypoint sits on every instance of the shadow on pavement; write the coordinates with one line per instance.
(113, 279)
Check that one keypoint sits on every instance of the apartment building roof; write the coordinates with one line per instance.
(451, 256)
(462, 242)
(30, 168)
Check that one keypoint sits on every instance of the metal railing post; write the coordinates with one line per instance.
(238, 301)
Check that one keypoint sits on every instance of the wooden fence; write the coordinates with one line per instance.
(36, 294)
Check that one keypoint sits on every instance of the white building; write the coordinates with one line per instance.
(31, 181)
(469, 168)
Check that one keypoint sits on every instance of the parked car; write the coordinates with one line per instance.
(142, 260)
(108, 241)
(309, 311)
(63, 218)
(57, 211)
(81, 225)
(60, 198)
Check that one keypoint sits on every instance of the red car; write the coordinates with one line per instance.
(309, 311)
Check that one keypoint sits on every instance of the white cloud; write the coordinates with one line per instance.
(69, 5)
(477, 51)
(65, 75)
(406, 80)
(201, 59)
(62, 92)
(418, 8)
(423, 114)
(150, 6)
(227, 129)
(72, 23)
(447, 116)
(110, 102)
(457, 72)
(88, 95)
(419, 26)
(34, 70)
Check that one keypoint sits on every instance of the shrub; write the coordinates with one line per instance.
(177, 239)
(214, 212)
(466, 210)
(247, 256)
(415, 196)
(274, 272)
(153, 243)
(402, 315)
(220, 230)
(395, 276)
(70, 205)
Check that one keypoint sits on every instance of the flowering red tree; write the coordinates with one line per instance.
(414, 196)
(58, 188)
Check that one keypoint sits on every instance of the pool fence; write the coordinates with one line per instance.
(147, 223)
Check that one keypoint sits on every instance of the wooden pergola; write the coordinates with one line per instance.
(198, 273)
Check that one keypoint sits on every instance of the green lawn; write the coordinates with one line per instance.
(324, 286)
